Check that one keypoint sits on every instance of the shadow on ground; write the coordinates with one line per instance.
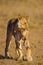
(3, 57)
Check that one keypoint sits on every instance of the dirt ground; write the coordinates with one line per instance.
(13, 8)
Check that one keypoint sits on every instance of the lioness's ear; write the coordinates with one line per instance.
(28, 18)
(19, 17)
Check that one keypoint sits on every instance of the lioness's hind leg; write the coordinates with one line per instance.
(8, 40)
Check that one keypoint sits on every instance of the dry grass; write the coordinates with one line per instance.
(33, 8)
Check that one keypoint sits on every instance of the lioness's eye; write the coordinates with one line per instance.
(25, 23)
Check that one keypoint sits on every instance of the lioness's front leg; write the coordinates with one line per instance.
(19, 50)
(28, 50)
(27, 45)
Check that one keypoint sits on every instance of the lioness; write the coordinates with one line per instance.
(19, 29)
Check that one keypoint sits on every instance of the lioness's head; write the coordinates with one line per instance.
(23, 22)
